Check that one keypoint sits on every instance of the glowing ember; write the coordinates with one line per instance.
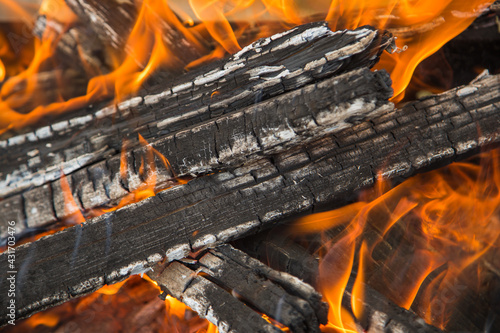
(132, 305)
(147, 171)
(421, 27)
(446, 221)
(72, 212)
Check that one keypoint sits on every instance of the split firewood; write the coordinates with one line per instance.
(261, 71)
(227, 205)
(280, 296)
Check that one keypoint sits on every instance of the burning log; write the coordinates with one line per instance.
(280, 296)
(78, 48)
(211, 301)
(227, 205)
(176, 109)
(259, 72)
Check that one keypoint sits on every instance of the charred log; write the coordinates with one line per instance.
(259, 72)
(211, 301)
(231, 140)
(280, 296)
(380, 314)
(227, 205)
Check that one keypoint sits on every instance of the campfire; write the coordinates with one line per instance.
(249, 166)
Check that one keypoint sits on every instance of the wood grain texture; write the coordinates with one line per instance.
(280, 296)
(227, 205)
(231, 140)
(261, 71)
(211, 301)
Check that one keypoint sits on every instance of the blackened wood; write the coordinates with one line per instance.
(286, 281)
(476, 47)
(44, 88)
(209, 300)
(279, 295)
(78, 48)
(278, 250)
(227, 205)
(110, 20)
(261, 71)
(272, 126)
(227, 271)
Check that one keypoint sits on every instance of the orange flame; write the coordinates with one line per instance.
(132, 303)
(72, 212)
(451, 219)
(422, 27)
(15, 61)
(147, 171)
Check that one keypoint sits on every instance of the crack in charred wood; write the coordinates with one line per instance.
(164, 109)
(262, 130)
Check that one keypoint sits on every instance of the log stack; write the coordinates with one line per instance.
(263, 137)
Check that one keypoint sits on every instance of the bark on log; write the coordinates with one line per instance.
(286, 121)
(280, 296)
(259, 72)
(224, 206)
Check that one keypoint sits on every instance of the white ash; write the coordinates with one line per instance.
(305, 36)
(466, 91)
(177, 252)
(367, 37)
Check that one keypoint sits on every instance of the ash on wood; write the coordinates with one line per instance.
(227, 205)
(261, 71)
(244, 136)
(280, 296)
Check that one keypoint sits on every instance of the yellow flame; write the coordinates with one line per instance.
(455, 220)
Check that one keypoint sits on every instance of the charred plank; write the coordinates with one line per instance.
(379, 313)
(210, 301)
(280, 296)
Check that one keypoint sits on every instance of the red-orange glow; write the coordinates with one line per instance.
(45, 319)
(132, 305)
(438, 22)
(57, 9)
(11, 63)
(111, 289)
(212, 14)
(447, 220)
(148, 173)
(72, 212)
(20, 13)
